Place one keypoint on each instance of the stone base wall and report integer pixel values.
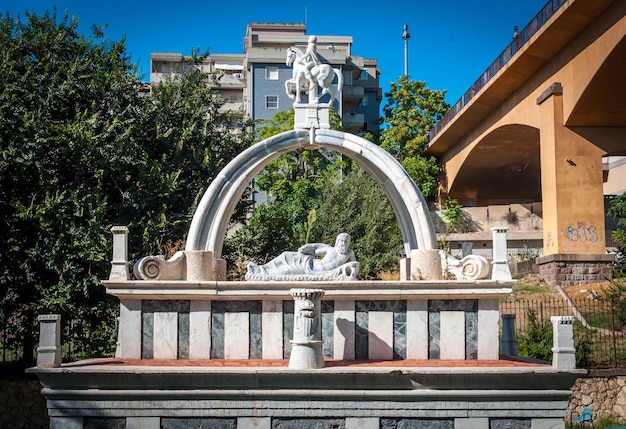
(22, 405)
(132, 397)
(574, 270)
(605, 395)
(522, 268)
(303, 423)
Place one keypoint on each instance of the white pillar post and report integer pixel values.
(425, 264)
(563, 351)
(500, 264)
(49, 350)
(119, 262)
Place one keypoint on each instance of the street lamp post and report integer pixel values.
(406, 36)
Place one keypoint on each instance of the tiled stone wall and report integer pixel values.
(23, 406)
(297, 423)
(235, 326)
(197, 423)
(467, 312)
(380, 332)
(361, 330)
(417, 423)
(104, 423)
(165, 329)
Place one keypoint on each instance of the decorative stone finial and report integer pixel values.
(306, 347)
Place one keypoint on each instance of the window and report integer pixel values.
(271, 73)
(347, 78)
(364, 101)
(363, 75)
(271, 102)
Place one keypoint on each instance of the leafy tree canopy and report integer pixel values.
(412, 110)
(84, 145)
(358, 205)
(295, 179)
(618, 211)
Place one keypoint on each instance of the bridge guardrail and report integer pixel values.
(522, 38)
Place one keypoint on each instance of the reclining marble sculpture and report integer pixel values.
(313, 261)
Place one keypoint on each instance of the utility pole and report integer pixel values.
(406, 36)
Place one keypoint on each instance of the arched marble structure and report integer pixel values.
(211, 218)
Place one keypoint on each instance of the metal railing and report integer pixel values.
(599, 331)
(521, 39)
(78, 342)
(599, 334)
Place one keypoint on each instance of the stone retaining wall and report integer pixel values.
(605, 395)
(22, 406)
(574, 270)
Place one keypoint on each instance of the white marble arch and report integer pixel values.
(211, 218)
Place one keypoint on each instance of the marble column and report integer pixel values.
(306, 346)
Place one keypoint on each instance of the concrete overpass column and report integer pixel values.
(571, 183)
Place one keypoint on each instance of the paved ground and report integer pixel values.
(279, 363)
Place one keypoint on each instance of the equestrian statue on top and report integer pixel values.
(308, 66)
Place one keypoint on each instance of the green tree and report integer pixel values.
(85, 147)
(412, 110)
(188, 140)
(453, 215)
(358, 205)
(293, 183)
(618, 211)
(297, 175)
(535, 341)
(66, 119)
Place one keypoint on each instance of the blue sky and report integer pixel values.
(452, 42)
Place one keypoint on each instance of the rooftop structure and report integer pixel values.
(253, 82)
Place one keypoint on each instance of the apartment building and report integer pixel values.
(254, 82)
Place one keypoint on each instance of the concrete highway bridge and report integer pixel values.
(536, 124)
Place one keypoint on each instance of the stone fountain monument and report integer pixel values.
(303, 342)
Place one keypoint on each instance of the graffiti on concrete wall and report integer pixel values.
(581, 232)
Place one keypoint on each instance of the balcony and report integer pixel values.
(353, 123)
(351, 93)
(157, 77)
(230, 81)
(236, 106)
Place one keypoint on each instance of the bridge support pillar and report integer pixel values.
(571, 183)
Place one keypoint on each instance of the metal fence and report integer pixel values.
(599, 331)
(599, 328)
(78, 342)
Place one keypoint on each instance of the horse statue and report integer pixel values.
(322, 75)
